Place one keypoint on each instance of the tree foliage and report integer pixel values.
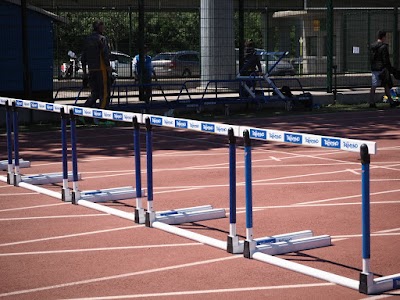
(164, 31)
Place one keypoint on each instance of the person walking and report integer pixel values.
(96, 56)
(381, 68)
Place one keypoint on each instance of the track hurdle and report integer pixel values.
(14, 176)
(91, 198)
(165, 219)
(264, 249)
(276, 244)
(9, 164)
(368, 284)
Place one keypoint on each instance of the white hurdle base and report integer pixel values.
(22, 164)
(286, 243)
(371, 286)
(47, 178)
(111, 194)
(190, 214)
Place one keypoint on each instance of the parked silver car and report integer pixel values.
(122, 63)
(177, 64)
(282, 68)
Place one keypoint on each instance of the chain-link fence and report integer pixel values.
(197, 40)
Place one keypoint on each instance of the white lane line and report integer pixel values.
(98, 249)
(261, 208)
(119, 276)
(53, 217)
(274, 158)
(31, 207)
(348, 197)
(337, 238)
(17, 194)
(389, 230)
(215, 291)
(69, 235)
(353, 171)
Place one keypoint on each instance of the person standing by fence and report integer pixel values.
(96, 55)
(144, 78)
(381, 68)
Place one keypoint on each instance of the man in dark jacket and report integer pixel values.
(251, 60)
(251, 63)
(96, 55)
(381, 68)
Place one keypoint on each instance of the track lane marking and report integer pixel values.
(70, 235)
(97, 249)
(119, 276)
(214, 291)
(53, 217)
(31, 207)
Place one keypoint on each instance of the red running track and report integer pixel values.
(55, 250)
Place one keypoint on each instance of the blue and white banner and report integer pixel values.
(117, 116)
(308, 139)
(209, 127)
(202, 126)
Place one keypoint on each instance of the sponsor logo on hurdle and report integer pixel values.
(275, 136)
(156, 121)
(127, 117)
(221, 129)
(50, 107)
(207, 127)
(117, 116)
(194, 125)
(169, 122)
(19, 103)
(311, 140)
(57, 108)
(350, 145)
(78, 111)
(42, 105)
(293, 138)
(108, 114)
(181, 124)
(331, 143)
(87, 112)
(258, 134)
(97, 113)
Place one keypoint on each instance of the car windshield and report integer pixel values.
(164, 56)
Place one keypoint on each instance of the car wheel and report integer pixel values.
(186, 73)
